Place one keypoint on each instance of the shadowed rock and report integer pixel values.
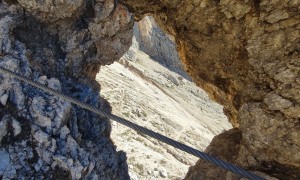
(246, 56)
(60, 44)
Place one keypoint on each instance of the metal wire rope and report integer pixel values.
(176, 144)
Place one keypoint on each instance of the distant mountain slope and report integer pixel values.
(151, 95)
(149, 38)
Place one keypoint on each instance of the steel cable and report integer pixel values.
(171, 142)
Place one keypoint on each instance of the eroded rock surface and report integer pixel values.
(246, 56)
(60, 44)
(149, 38)
(160, 46)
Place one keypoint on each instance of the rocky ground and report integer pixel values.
(57, 43)
(151, 95)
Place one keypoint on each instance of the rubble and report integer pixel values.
(42, 135)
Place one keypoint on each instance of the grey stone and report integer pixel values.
(74, 167)
(10, 172)
(64, 131)
(58, 51)
(163, 173)
(131, 54)
(54, 84)
(45, 155)
(153, 41)
(53, 145)
(16, 126)
(37, 111)
(51, 11)
(4, 161)
(3, 128)
(41, 136)
(5, 42)
(38, 165)
(276, 102)
(3, 99)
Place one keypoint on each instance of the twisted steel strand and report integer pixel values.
(138, 128)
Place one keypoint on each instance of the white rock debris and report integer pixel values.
(41, 136)
(16, 126)
(3, 99)
(166, 102)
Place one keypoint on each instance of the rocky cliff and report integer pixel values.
(161, 97)
(159, 45)
(60, 44)
(149, 38)
(246, 56)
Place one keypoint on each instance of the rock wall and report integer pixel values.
(160, 46)
(60, 44)
(246, 56)
(149, 38)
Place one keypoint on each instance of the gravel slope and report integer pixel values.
(149, 94)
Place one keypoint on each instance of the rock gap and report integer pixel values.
(149, 86)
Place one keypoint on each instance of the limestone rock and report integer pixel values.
(163, 173)
(5, 42)
(238, 52)
(246, 56)
(3, 128)
(235, 8)
(68, 164)
(276, 102)
(50, 11)
(160, 46)
(64, 132)
(228, 141)
(131, 54)
(16, 127)
(5, 166)
(3, 99)
(149, 38)
(43, 136)
(37, 111)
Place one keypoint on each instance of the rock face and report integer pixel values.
(149, 38)
(153, 41)
(228, 141)
(60, 44)
(246, 56)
